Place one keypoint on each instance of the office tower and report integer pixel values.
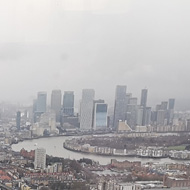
(128, 97)
(144, 93)
(158, 107)
(147, 116)
(160, 117)
(164, 105)
(68, 103)
(86, 109)
(170, 113)
(153, 117)
(120, 105)
(133, 101)
(18, 118)
(100, 116)
(34, 105)
(171, 104)
(40, 158)
(93, 113)
(56, 103)
(41, 102)
(132, 115)
(139, 115)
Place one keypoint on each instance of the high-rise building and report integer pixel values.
(170, 113)
(41, 102)
(132, 115)
(120, 105)
(164, 105)
(133, 101)
(68, 103)
(160, 117)
(18, 119)
(171, 104)
(40, 158)
(56, 103)
(100, 116)
(139, 115)
(147, 116)
(144, 94)
(86, 109)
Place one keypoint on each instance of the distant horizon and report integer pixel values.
(110, 103)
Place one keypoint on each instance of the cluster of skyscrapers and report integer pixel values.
(127, 109)
(93, 114)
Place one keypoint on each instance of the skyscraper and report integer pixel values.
(40, 158)
(147, 116)
(144, 94)
(164, 105)
(139, 115)
(146, 110)
(86, 109)
(68, 103)
(56, 103)
(100, 116)
(171, 104)
(120, 105)
(41, 102)
(170, 114)
(18, 118)
(160, 117)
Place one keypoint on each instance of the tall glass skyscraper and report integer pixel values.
(120, 105)
(41, 102)
(100, 116)
(144, 94)
(68, 103)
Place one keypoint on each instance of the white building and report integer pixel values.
(86, 109)
(40, 158)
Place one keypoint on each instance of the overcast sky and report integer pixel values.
(76, 44)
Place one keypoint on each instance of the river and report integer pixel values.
(54, 147)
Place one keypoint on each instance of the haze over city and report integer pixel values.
(76, 44)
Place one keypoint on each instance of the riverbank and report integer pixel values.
(141, 152)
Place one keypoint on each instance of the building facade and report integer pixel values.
(56, 103)
(68, 103)
(100, 116)
(120, 105)
(40, 158)
(86, 109)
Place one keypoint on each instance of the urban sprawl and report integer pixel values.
(128, 134)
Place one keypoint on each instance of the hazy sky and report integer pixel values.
(76, 44)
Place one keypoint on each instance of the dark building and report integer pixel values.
(68, 103)
(18, 119)
(144, 94)
(120, 105)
